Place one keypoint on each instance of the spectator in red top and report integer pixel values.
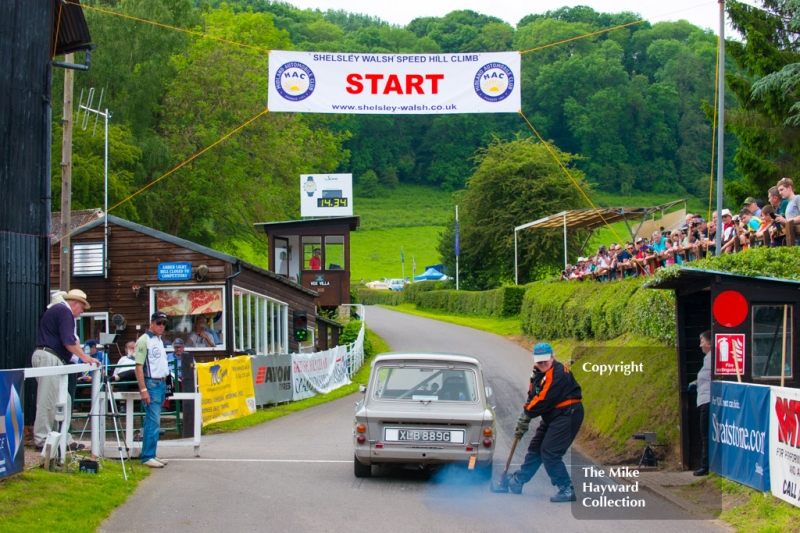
(315, 263)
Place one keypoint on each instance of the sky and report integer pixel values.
(703, 13)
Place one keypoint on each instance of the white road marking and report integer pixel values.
(260, 460)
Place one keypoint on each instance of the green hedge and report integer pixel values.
(413, 291)
(503, 302)
(585, 310)
(379, 297)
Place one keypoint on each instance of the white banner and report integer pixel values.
(784, 444)
(318, 372)
(415, 84)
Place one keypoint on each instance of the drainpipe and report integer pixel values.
(229, 310)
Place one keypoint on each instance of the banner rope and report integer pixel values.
(190, 32)
(192, 158)
(574, 181)
(58, 29)
(598, 32)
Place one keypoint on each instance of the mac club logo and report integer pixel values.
(295, 81)
(494, 82)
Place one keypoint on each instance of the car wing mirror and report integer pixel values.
(488, 391)
(362, 389)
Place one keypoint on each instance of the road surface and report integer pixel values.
(296, 473)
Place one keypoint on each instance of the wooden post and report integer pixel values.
(66, 178)
(188, 384)
(783, 346)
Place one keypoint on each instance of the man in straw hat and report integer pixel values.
(56, 345)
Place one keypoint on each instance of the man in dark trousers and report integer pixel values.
(58, 345)
(703, 386)
(555, 396)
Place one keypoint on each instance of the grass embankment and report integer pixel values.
(265, 414)
(617, 406)
(37, 500)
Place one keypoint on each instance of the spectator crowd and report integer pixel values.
(756, 224)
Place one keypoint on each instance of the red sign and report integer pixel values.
(729, 351)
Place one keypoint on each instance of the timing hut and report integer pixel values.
(139, 270)
(314, 252)
(747, 317)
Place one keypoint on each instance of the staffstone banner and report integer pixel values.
(739, 433)
(784, 444)
(227, 389)
(12, 454)
(395, 84)
(319, 372)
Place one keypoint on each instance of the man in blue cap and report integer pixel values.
(555, 396)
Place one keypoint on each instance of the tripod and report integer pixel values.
(648, 457)
(114, 415)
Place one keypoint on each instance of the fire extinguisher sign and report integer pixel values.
(729, 353)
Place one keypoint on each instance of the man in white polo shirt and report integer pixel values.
(151, 374)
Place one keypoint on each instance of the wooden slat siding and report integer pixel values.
(134, 261)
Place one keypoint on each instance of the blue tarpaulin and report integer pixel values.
(431, 273)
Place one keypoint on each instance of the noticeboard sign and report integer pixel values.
(181, 271)
(326, 195)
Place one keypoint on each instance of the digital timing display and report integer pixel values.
(331, 202)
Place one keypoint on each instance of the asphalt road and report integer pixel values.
(296, 473)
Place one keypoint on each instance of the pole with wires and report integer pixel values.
(720, 125)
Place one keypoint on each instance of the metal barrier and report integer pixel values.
(355, 350)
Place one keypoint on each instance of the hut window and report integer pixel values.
(195, 314)
(334, 252)
(260, 324)
(768, 335)
(88, 259)
(312, 253)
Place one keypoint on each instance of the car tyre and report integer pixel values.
(361, 470)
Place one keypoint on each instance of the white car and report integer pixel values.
(397, 284)
(423, 410)
(377, 285)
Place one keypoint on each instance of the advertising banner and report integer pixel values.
(326, 195)
(12, 454)
(272, 378)
(729, 353)
(784, 443)
(394, 84)
(738, 435)
(318, 372)
(227, 389)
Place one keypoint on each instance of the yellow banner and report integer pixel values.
(227, 389)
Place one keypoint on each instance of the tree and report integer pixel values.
(768, 94)
(515, 182)
(368, 184)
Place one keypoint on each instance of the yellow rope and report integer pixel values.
(583, 36)
(713, 136)
(196, 33)
(547, 145)
(195, 156)
(58, 29)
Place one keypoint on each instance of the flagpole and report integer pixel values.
(720, 126)
(457, 251)
(403, 263)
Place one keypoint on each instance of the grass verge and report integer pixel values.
(38, 500)
(265, 414)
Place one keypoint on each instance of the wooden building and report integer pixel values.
(746, 310)
(314, 252)
(144, 270)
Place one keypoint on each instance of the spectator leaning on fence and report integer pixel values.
(751, 204)
(775, 200)
(792, 214)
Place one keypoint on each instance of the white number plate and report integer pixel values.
(449, 436)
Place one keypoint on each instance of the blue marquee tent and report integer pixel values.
(431, 273)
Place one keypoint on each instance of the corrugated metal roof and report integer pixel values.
(67, 21)
(691, 276)
(595, 218)
(76, 220)
(353, 222)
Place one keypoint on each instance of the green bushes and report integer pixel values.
(503, 302)
(585, 310)
(379, 297)
(413, 290)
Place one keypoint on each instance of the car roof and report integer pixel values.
(426, 356)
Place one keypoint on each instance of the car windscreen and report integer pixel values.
(425, 383)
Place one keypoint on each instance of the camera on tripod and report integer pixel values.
(648, 456)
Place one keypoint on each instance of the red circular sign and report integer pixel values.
(730, 309)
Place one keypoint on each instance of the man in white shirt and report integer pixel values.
(151, 374)
(703, 384)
